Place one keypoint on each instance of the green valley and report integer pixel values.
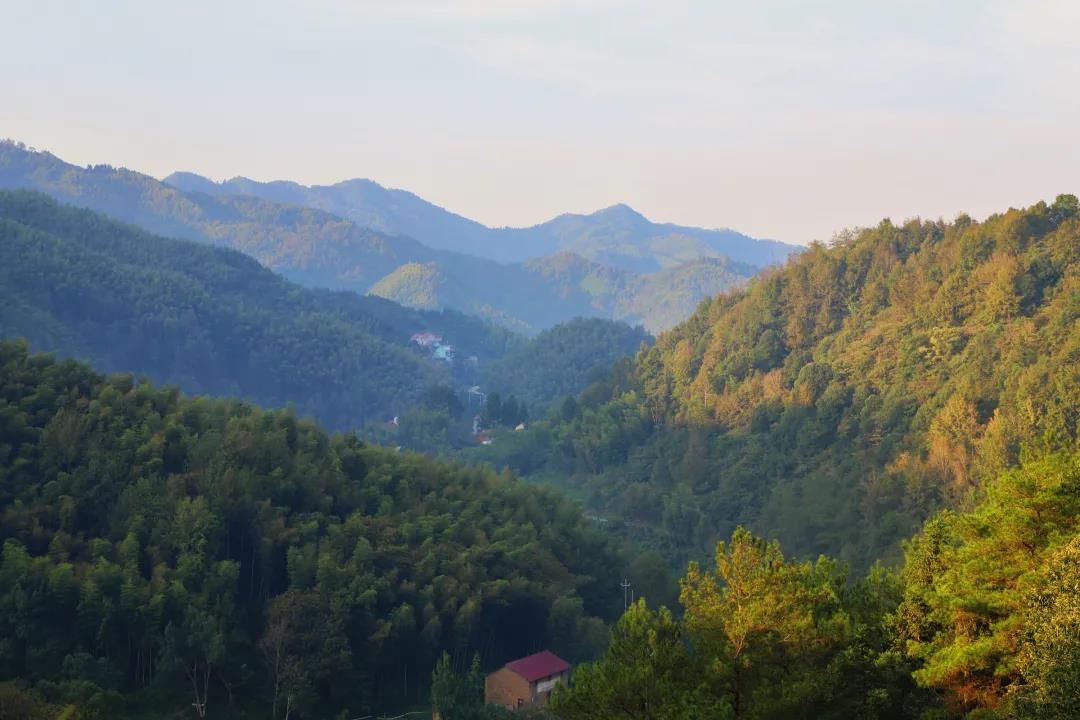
(898, 409)
(554, 360)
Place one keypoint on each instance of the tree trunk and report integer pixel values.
(228, 688)
(200, 695)
(277, 691)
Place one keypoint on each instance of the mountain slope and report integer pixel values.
(562, 360)
(145, 532)
(837, 402)
(617, 236)
(663, 299)
(309, 246)
(621, 237)
(212, 320)
(394, 212)
(317, 249)
(522, 298)
(543, 292)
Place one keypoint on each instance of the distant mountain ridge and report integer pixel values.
(365, 202)
(309, 246)
(567, 283)
(617, 236)
(315, 248)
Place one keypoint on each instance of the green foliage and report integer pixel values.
(507, 413)
(159, 551)
(460, 697)
(212, 320)
(562, 361)
(413, 285)
(647, 673)
(189, 552)
(784, 640)
(838, 402)
(547, 291)
(761, 638)
(1050, 655)
(17, 704)
(305, 649)
(989, 603)
(572, 633)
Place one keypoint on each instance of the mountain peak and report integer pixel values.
(621, 212)
(359, 183)
(192, 182)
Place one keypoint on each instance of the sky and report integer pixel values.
(784, 119)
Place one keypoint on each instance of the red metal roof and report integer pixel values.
(539, 666)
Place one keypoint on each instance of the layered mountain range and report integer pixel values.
(911, 389)
(618, 236)
(359, 236)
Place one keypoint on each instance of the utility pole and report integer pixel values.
(625, 585)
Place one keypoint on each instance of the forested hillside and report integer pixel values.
(981, 622)
(526, 298)
(195, 556)
(665, 298)
(562, 361)
(512, 390)
(214, 321)
(838, 401)
(208, 556)
(540, 293)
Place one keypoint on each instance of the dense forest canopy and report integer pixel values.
(213, 321)
(982, 622)
(514, 390)
(165, 552)
(900, 409)
(840, 400)
(562, 361)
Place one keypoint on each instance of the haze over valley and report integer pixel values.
(682, 361)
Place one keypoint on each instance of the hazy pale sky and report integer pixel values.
(783, 119)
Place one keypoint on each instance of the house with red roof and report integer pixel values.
(527, 681)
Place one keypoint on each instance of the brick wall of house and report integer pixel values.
(505, 687)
